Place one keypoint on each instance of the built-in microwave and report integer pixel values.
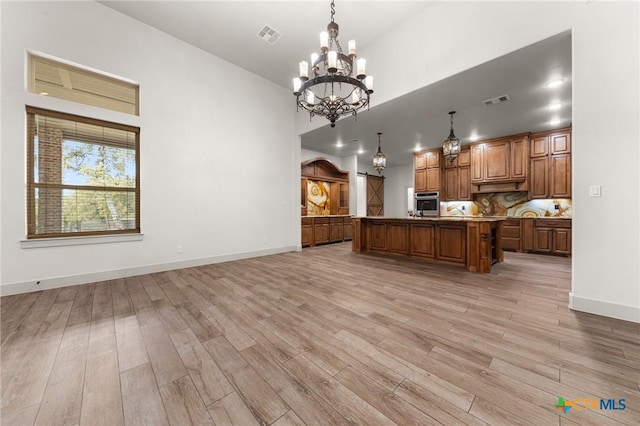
(427, 204)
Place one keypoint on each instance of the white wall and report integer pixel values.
(605, 36)
(397, 181)
(217, 176)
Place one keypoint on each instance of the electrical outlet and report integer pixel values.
(556, 206)
(178, 249)
(462, 208)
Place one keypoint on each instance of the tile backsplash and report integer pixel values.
(513, 204)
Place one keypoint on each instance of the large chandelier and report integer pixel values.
(379, 160)
(451, 145)
(332, 87)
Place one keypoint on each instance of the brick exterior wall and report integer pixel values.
(50, 214)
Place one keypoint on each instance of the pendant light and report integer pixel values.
(379, 160)
(451, 145)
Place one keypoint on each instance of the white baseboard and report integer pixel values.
(49, 283)
(607, 309)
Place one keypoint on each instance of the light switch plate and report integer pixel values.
(595, 191)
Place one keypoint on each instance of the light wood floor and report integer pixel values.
(323, 336)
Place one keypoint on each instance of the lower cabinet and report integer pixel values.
(552, 236)
(348, 228)
(336, 229)
(537, 235)
(511, 235)
(307, 232)
(423, 241)
(452, 243)
(322, 230)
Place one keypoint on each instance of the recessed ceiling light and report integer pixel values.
(417, 148)
(361, 151)
(474, 137)
(339, 144)
(555, 83)
(555, 105)
(555, 121)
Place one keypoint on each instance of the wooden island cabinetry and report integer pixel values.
(474, 243)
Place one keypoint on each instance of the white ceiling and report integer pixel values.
(228, 30)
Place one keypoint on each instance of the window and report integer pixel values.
(60, 80)
(82, 176)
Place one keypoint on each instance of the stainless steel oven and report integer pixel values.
(427, 204)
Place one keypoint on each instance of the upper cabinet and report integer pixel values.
(457, 177)
(500, 164)
(428, 171)
(539, 164)
(551, 164)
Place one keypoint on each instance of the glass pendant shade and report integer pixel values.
(379, 160)
(451, 145)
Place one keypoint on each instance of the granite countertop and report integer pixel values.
(515, 217)
(438, 218)
(328, 215)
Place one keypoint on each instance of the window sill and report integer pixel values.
(79, 241)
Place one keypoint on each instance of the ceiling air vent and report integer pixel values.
(497, 100)
(268, 34)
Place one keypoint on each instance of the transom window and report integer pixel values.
(82, 176)
(72, 83)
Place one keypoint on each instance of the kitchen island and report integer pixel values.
(474, 243)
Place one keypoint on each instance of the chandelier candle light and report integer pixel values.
(451, 145)
(332, 87)
(379, 160)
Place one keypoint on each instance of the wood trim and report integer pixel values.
(340, 175)
(81, 119)
(31, 185)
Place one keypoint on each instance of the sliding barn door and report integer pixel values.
(375, 196)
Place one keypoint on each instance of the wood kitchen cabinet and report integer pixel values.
(307, 232)
(500, 164)
(457, 178)
(511, 234)
(348, 228)
(451, 243)
(336, 229)
(420, 181)
(539, 174)
(321, 230)
(317, 230)
(560, 176)
(537, 235)
(433, 180)
(552, 236)
(550, 165)
(428, 171)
